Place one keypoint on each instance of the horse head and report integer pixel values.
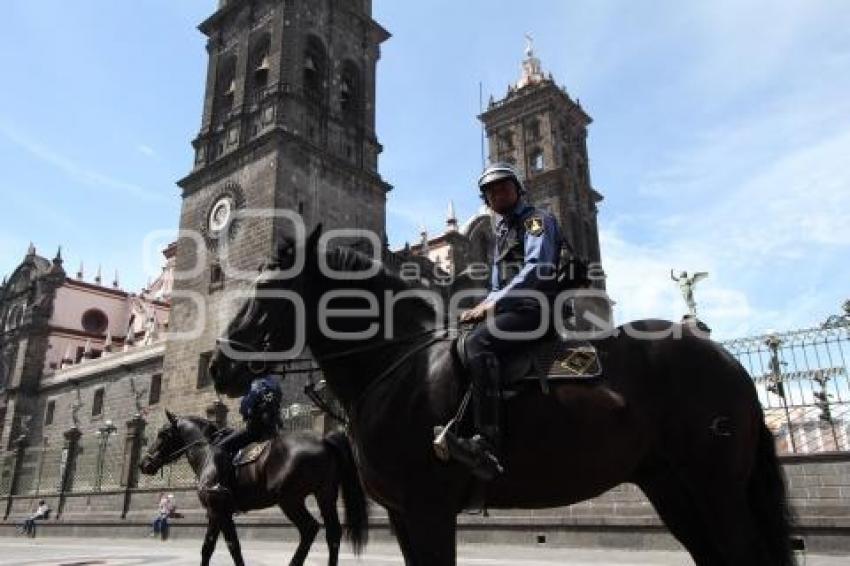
(166, 447)
(336, 302)
(173, 439)
(265, 324)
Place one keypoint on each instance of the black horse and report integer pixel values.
(291, 468)
(677, 415)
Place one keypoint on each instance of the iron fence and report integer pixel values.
(803, 384)
(177, 474)
(297, 417)
(98, 464)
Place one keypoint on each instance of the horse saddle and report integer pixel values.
(250, 453)
(552, 358)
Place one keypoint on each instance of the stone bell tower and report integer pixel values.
(288, 123)
(543, 132)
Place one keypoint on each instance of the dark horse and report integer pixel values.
(677, 415)
(291, 468)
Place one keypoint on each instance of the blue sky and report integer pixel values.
(721, 138)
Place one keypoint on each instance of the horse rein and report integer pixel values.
(380, 345)
(180, 451)
(397, 363)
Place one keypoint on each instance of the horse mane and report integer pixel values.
(246, 316)
(207, 427)
(352, 260)
(345, 258)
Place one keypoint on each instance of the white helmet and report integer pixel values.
(497, 172)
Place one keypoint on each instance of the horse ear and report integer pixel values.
(172, 419)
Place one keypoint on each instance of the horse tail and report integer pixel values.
(356, 506)
(769, 502)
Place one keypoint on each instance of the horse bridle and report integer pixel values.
(256, 370)
(172, 456)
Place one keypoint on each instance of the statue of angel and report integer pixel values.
(686, 286)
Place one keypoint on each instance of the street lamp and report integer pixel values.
(776, 384)
(103, 434)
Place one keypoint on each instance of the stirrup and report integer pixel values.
(218, 490)
(476, 455)
(489, 462)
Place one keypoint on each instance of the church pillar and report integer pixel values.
(67, 465)
(132, 456)
(20, 450)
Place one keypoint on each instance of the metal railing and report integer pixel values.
(803, 384)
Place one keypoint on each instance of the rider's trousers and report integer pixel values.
(483, 350)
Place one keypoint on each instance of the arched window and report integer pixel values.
(315, 70)
(259, 61)
(535, 161)
(350, 92)
(532, 129)
(506, 140)
(13, 319)
(225, 85)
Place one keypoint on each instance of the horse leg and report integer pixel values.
(307, 527)
(432, 535)
(676, 506)
(729, 534)
(732, 528)
(400, 530)
(333, 530)
(228, 529)
(209, 542)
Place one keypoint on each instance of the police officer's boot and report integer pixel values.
(218, 477)
(484, 448)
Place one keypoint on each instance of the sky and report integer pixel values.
(721, 136)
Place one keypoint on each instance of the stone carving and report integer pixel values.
(686, 286)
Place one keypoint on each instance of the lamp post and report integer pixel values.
(103, 434)
(776, 385)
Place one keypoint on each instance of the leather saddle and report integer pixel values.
(250, 453)
(551, 359)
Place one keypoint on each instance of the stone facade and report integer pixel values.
(540, 130)
(80, 359)
(288, 124)
(819, 489)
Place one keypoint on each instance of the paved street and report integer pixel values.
(105, 552)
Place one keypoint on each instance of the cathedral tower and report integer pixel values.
(543, 132)
(288, 124)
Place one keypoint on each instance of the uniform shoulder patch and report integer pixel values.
(534, 224)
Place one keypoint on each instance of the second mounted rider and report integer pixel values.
(260, 410)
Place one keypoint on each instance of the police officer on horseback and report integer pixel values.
(524, 269)
(260, 409)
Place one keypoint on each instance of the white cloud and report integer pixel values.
(760, 197)
(75, 170)
(146, 150)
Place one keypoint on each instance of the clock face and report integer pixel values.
(220, 215)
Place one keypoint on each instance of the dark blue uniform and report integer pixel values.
(260, 408)
(528, 247)
(261, 404)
